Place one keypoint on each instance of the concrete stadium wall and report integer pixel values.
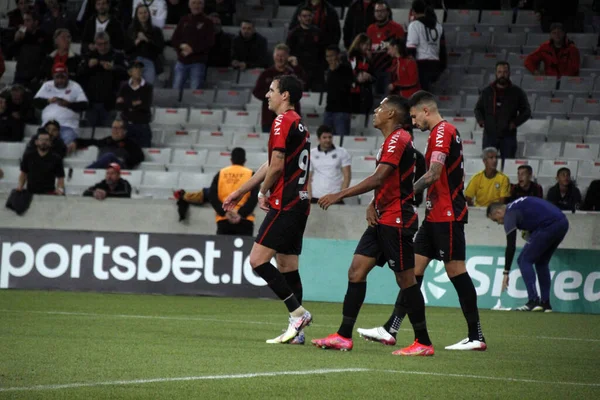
(160, 216)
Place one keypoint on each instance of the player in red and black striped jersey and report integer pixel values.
(393, 221)
(284, 175)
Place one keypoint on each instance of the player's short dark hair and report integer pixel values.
(421, 97)
(334, 47)
(419, 6)
(499, 63)
(238, 156)
(246, 21)
(305, 8)
(290, 84)
(563, 169)
(400, 104)
(526, 167)
(324, 129)
(493, 207)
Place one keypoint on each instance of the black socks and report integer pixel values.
(295, 283)
(393, 324)
(468, 302)
(355, 296)
(278, 285)
(415, 307)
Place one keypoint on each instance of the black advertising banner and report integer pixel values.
(128, 263)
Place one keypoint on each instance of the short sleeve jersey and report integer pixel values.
(485, 191)
(445, 198)
(290, 136)
(426, 41)
(530, 214)
(394, 199)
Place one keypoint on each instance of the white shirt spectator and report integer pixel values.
(158, 11)
(425, 40)
(72, 93)
(326, 169)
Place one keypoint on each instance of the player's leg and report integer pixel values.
(288, 264)
(529, 255)
(450, 238)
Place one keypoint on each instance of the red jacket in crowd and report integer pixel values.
(557, 62)
(405, 77)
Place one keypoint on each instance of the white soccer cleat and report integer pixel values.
(378, 334)
(297, 340)
(466, 344)
(297, 324)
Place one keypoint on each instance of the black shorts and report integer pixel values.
(388, 244)
(282, 231)
(444, 241)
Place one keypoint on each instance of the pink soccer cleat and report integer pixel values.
(335, 342)
(415, 349)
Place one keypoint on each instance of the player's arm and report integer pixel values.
(438, 160)
(273, 172)
(231, 200)
(372, 182)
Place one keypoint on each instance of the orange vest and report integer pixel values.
(230, 179)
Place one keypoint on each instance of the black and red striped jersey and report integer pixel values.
(445, 199)
(380, 60)
(290, 136)
(394, 199)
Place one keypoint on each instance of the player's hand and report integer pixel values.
(504, 283)
(372, 218)
(263, 203)
(232, 200)
(329, 199)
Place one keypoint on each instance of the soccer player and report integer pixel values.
(393, 221)
(544, 227)
(441, 236)
(284, 175)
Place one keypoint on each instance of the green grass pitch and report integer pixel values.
(64, 345)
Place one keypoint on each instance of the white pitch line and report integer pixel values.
(231, 321)
(491, 378)
(180, 379)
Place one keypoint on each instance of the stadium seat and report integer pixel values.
(217, 160)
(469, 103)
(232, 98)
(253, 11)
(191, 181)
(527, 17)
(493, 29)
(400, 15)
(472, 165)
(214, 140)
(170, 116)
(170, 54)
(201, 98)
(11, 178)
(478, 41)
(463, 17)
(87, 154)
(196, 158)
(584, 107)
(581, 151)
(449, 105)
(469, 83)
(536, 39)
(496, 17)
(248, 78)
(593, 129)
(420, 139)
(471, 148)
(542, 85)
(158, 184)
(180, 138)
(251, 141)
(565, 129)
(464, 125)
(591, 61)
(516, 61)
(548, 168)
(273, 35)
(450, 35)
(360, 145)
(511, 42)
(364, 164)
(222, 77)
(559, 107)
(487, 60)
(86, 132)
(575, 85)
(81, 179)
(544, 150)
(9, 72)
(255, 159)
(285, 12)
(535, 126)
(30, 130)
(159, 156)
(511, 166)
(310, 99)
(459, 58)
(204, 118)
(166, 97)
(168, 32)
(359, 121)
(588, 169)
(584, 41)
(241, 118)
(134, 177)
(312, 119)
(11, 150)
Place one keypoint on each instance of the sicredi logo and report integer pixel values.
(124, 263)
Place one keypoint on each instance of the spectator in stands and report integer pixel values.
(525, 187)
(134, 100)
(404, 71)
(118, 8)
(240, 221)
(57, 146)
(565, 195)
(193, 39)
(359, 15)
(306, 44)
(284, 64)
(101, 73)
(145, 43)
(176, 9)
(324, 17)
(338, 82)
(28, 49)
(559, 55)
(16, 16)
(359, 56)
(102, 21)
(381, 32)
(225, 9)
(158, 10)
(9, 126)
(220, 53)
(500, 109)
(19, 105)
(112, 185)
(490, 185)
(426, 40)
(249, 48)
(62, 100)
(117, 148)
(62, 55)
(592, 197)
(42, 170)
(330, 167)
(56, 18)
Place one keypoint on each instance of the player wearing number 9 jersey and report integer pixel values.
(284, 175)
